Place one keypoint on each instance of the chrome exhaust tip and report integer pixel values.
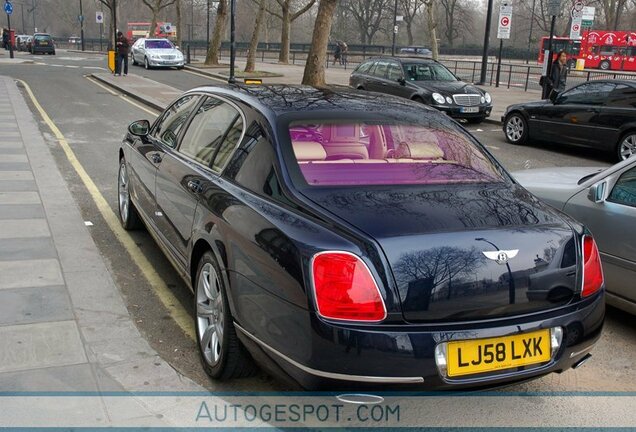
(583, 360)
(360, 399)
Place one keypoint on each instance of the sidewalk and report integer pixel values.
(64, 325)
(158, 95)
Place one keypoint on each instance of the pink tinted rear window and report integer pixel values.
(339, 153)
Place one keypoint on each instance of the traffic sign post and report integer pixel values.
(8, 9)
(554, 9)
(503, 32)
(99, 19)
(577, 18)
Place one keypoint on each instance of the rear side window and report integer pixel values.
(213, 133)
(332, 153)
(622, 96)
(624, 191)
(380, 69)
(168, 127)
(364, 67)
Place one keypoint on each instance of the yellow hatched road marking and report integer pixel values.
(165, 295)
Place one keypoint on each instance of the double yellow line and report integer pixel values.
(178, 313)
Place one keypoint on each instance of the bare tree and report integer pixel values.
(251, 53)
(179, 29)
(111, 5)
(432, 26)
(156, 6)
(314, 74)
(369, 16)
(410, 10)
(612, 11)
(288, 16)
(457, 19)
(212, 57)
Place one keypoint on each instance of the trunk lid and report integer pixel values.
(444, 247)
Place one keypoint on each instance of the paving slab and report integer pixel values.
(79, 377)
(34, 346)
(20, 211)
(23, 228)
(18, 186)
(12, 249)
(30, 273)
(19, 197)
(16, 175)
(31, 305)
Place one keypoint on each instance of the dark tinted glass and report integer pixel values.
(159, 44)
(592, 93)
(395, 72)
(168, 127)
(624, 191)
(427, 72)
(622, 97)
(364, 67)
(214, 123)
(380, 68)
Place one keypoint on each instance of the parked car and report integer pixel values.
(75, 40)
(42, 43)
(353, 239)
(605, 201)
(156, 53)
(21, 41)
(423, 80)
(416, 50)
(597, 114)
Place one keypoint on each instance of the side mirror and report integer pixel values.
(139, 128)
(597, 192)
(402, 81)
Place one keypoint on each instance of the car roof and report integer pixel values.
(282, 99)
(414, 59)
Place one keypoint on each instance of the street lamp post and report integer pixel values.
(207, 37)
(231, 78)
(534, 2)
(511, 285)
(81, 18)
(394, 27)
(484, 57)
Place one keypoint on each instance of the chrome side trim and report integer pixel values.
(332, 375)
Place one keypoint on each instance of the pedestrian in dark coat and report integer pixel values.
(122, 54)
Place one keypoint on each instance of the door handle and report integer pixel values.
(156, 157)
(195, 186)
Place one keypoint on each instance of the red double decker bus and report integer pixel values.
(137, 30)
(572, 47)
(609, 50)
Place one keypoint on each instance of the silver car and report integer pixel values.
(156, 53)
(605, 201)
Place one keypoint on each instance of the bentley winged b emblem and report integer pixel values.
(501, 256)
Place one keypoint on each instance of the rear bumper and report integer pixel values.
(43, 49)
(346, 357)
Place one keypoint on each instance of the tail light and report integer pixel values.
(592, 271)
(345, 289)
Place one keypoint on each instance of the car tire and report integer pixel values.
(222, 355)
(418, 99)
(360, 88)
(516, 129)
(146, 63)
(128, 215)
(605, 65)
(626, 147)
(132, 59)
(53, 53)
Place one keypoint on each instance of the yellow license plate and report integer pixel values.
(487, 355)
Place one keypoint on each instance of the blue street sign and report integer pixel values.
(8, 8)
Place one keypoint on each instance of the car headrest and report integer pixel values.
(309, 151)
(419, 150)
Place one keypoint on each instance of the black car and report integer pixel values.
(597, 114)
(416, 50)
(42, 43)
(423, 80)
(349, 239)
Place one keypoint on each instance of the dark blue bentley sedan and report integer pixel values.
(347, 240)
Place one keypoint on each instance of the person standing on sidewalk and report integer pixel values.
(122, 54)
(558, 75)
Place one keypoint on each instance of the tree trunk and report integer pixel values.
(179, 28)
(251, 53)
(430, 18)
(283, 57)
(212, 57)
(315, 67)
(409, 31)
(153, 24)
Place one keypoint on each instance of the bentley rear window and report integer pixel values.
(345, 153)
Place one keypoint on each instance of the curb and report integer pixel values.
(152, 104)
(86, 52)
(204, 72)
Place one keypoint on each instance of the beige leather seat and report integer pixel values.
(307, 151)
(426, 147)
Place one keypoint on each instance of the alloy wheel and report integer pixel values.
(627, 147)
(210, 317)
(515, 128)
(146, 64)
(124, 195)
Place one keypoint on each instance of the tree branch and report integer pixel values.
(303, 10)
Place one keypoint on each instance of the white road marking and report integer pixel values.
(72, 66)
(93, 67)
(56, 65)
(479, 130)
(492, 147)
